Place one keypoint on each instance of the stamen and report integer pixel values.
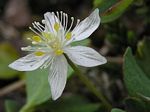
(72, 21)
(43, 21)
(54, 17)
(40, 25)
(66, 22)
(78, 21)
(47, 35)
(61, 16)
(57, 15)
(25, 48)
(68, 36)
(36, 39)
(37, 27)
(35, 31)
(59, 52)
(39, 53)
(56, 26)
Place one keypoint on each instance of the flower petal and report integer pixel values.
(29, 62)
(87, 26)
(85, 56)
(58, 76)
(50, 21)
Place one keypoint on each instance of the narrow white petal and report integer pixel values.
(87, 26)
(28, 63)
(50, 20)
(58, 76)
(85, 56)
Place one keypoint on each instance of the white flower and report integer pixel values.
(52, 41)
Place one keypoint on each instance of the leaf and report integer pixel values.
(144, 97)
(135, 79)
(11, 106)
(7, 55)
(135, 105)
(110, 10)
(70, 104)
(104, 5)
(84, 42)
(146, 100)
(38, 90)
(117, 110)
(143, 56)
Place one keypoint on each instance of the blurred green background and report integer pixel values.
(123, 37)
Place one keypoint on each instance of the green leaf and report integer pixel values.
(11, 106)
(135, 79)
(7, 55)
(146, 100)
(143, 56)
(70, 104)
(104, 5)
(84, 42)
(117, 110)
(38, 90)
(135, 105)
(144, 97)
(112, 9)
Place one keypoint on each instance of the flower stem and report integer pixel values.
(90, 85)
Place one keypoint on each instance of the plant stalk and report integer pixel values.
(90, 85)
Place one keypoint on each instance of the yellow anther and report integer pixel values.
(39, 53)
(47, 35)
(68, 36)
(36, 39)
(59, 52)
(56, 26)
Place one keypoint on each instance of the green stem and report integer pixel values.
(90, 85)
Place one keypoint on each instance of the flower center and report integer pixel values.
(57, 48)
(59, 52)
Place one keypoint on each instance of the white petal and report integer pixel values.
(50, 20)
(87, 26)
(28, 63)
(85, 56)
(58, 76)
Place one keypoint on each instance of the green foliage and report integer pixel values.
(111, 9)
(120, 34)
(135, 79)
(11, 106)
(117, 110)
(81, 43)
(135, 105)
(7, 55)
(143, 56)
(38, 90)
(69, 104)
(104, 5)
